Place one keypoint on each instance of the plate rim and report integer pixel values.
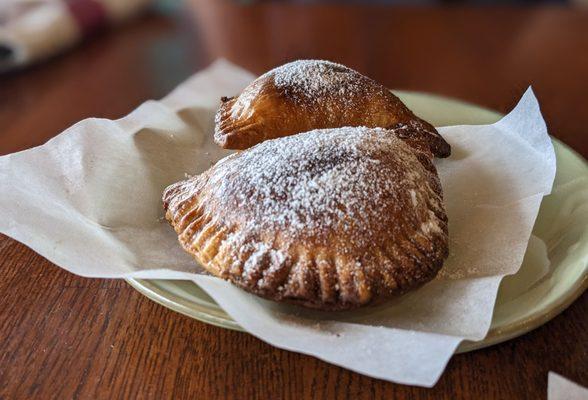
(495, 335)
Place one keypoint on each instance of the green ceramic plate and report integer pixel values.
(562, 224)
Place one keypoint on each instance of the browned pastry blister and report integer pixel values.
(310, 94)
(330, 219)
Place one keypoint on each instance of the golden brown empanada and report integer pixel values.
(330, 219)
(310, 94)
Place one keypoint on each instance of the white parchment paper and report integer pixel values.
(89, 200)
(560, 388)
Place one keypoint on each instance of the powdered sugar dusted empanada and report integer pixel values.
(330, 219)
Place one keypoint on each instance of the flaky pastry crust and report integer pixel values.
(310, 94)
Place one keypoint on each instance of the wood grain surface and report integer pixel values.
(66, 337)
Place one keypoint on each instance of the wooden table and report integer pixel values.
(68, 337)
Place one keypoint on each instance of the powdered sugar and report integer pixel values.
(413, 198)
(333, 180)
(431, 225)
(335, 87)
(316, 79)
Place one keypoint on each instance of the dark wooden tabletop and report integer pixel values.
(64, 337)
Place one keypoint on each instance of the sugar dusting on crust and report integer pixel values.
(318, 79)
(334, 89)
(321, 181)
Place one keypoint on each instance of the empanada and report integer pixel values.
(310, 94)
(330, 219)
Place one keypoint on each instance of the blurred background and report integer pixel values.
(62, 61)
